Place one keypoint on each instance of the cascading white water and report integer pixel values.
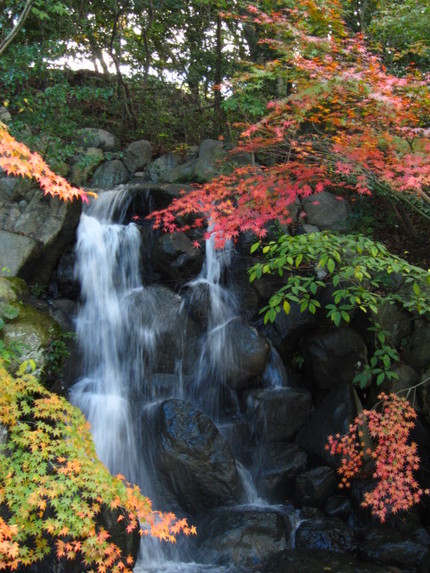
(113, 364)
(216, 356)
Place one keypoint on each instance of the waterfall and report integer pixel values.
(216, 356)
(120, 330)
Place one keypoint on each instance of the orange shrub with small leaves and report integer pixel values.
(393, 457)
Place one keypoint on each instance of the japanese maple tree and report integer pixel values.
(346, 125)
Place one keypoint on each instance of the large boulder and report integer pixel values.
(334, 356)
(137, 155)
(190, 458)
(110, 174)
(277, 414)
(33, 241)
(326, 211)
(94, 137)
(245, 536)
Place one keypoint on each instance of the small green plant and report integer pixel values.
(10, 352)
(57, 352)
(361, 275)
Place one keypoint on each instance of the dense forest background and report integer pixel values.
(152, 69)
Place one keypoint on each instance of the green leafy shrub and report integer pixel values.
(361, 275)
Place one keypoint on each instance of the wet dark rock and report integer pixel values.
(66, 282)
(338, 506)
(288, 329)
(395, 322)
(326, 533)
(242, 535)
(394, 547)
(249, 351)
(317, 561)
(277, 414)
(190, 457)
(334, 357)
(175, 257)
(314, 487)
(333, 415)
(174, 336)
(129, 543)
(417, 353)
(276, 467)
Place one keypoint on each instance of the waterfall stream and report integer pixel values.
(119, 350)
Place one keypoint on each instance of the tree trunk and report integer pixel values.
(10, 37)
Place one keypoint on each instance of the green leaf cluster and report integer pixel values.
(361, 276)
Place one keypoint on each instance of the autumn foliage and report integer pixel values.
(391, 456)
(346, 125)
(53, 488)
(17, 159)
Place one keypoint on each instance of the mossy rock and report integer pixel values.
(12, 290)
(33, 331)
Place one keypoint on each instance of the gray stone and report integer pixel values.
(7, 186)
(41, 234)
(334, 356)
(137, 155)
(5, 116)
(182, 173)
(160, 167)
(17, 253)
(277, 414)
(190, 458)
(208, 165)
(94, 137)
(242, 536)
(85, 165)
(110, 174)
(314, 487)
(326, 211)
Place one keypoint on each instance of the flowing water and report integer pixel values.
(119, 346)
